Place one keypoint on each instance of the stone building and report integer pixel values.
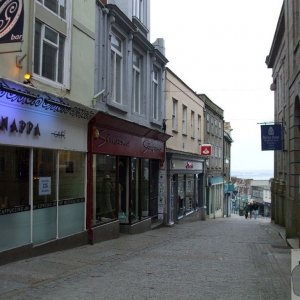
(284, 60)
(185, 166)
(214, 135)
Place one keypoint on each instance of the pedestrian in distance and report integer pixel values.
(246, 210)
(255, 209)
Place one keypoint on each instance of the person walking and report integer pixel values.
(246, 210)
(255, 209)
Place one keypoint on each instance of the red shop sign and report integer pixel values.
(206, 149)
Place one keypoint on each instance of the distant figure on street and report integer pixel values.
(251, 209)
(246, 209)
(255, 209)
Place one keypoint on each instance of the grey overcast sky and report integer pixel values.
(219, 48)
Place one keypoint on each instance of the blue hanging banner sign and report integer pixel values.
(271, 137)
(11, 21)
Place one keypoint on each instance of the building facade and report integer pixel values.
(214, 135)
(228, 185)
(82, 144)
(44, 122)
(126, 143)
(284, 60)
(185, 166)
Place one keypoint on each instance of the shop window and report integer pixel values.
(44, 178)
(104, 185)
(71, 175)
(14, 178)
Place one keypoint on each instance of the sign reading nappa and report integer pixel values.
(11, 21)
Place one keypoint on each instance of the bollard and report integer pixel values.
(202, 213)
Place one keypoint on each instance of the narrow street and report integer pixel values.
(229, 258)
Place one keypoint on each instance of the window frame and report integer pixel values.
(44, 41)
(137, 83)
(113, 69)
(174, 114)
(155, 94)
(184, 119)
(63, 27)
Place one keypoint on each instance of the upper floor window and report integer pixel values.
(199, 127)
(174, 114)
(184, 119)
(208, 123)
(136, 82)
(116, 69)
(155, 97)
(56, 6)
(49, 51)
(138, 9)
(192, 124)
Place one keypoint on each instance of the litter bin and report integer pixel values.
(202, 213)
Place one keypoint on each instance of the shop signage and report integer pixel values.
(271, 137)
(118, 143)
(205, 150)
(189, 165)
(11, 21)
(20, 127)
(44, 186)
(13, 210)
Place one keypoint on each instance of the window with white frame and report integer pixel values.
(174, 114)
(138, 9)
(136, 82)
(184, 119)
(57, 7)
(192, 124)
(155, 95)
(116, 69)
(49, 52)
(199, 127)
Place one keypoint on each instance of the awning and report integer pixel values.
(121, 125)
(17, 93)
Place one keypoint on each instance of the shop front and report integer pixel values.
(185, 185)
(123, 174)
(42, 168)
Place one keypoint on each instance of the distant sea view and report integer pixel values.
(253, 174)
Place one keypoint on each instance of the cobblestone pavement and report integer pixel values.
(231, 258)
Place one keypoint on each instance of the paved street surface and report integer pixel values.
(229, 258)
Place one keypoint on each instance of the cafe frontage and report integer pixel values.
(43, 151)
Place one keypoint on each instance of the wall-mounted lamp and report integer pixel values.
(95, 133)
(27, 78)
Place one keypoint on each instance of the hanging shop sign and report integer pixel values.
(206, 150)
(11, 21)
(271, 137)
